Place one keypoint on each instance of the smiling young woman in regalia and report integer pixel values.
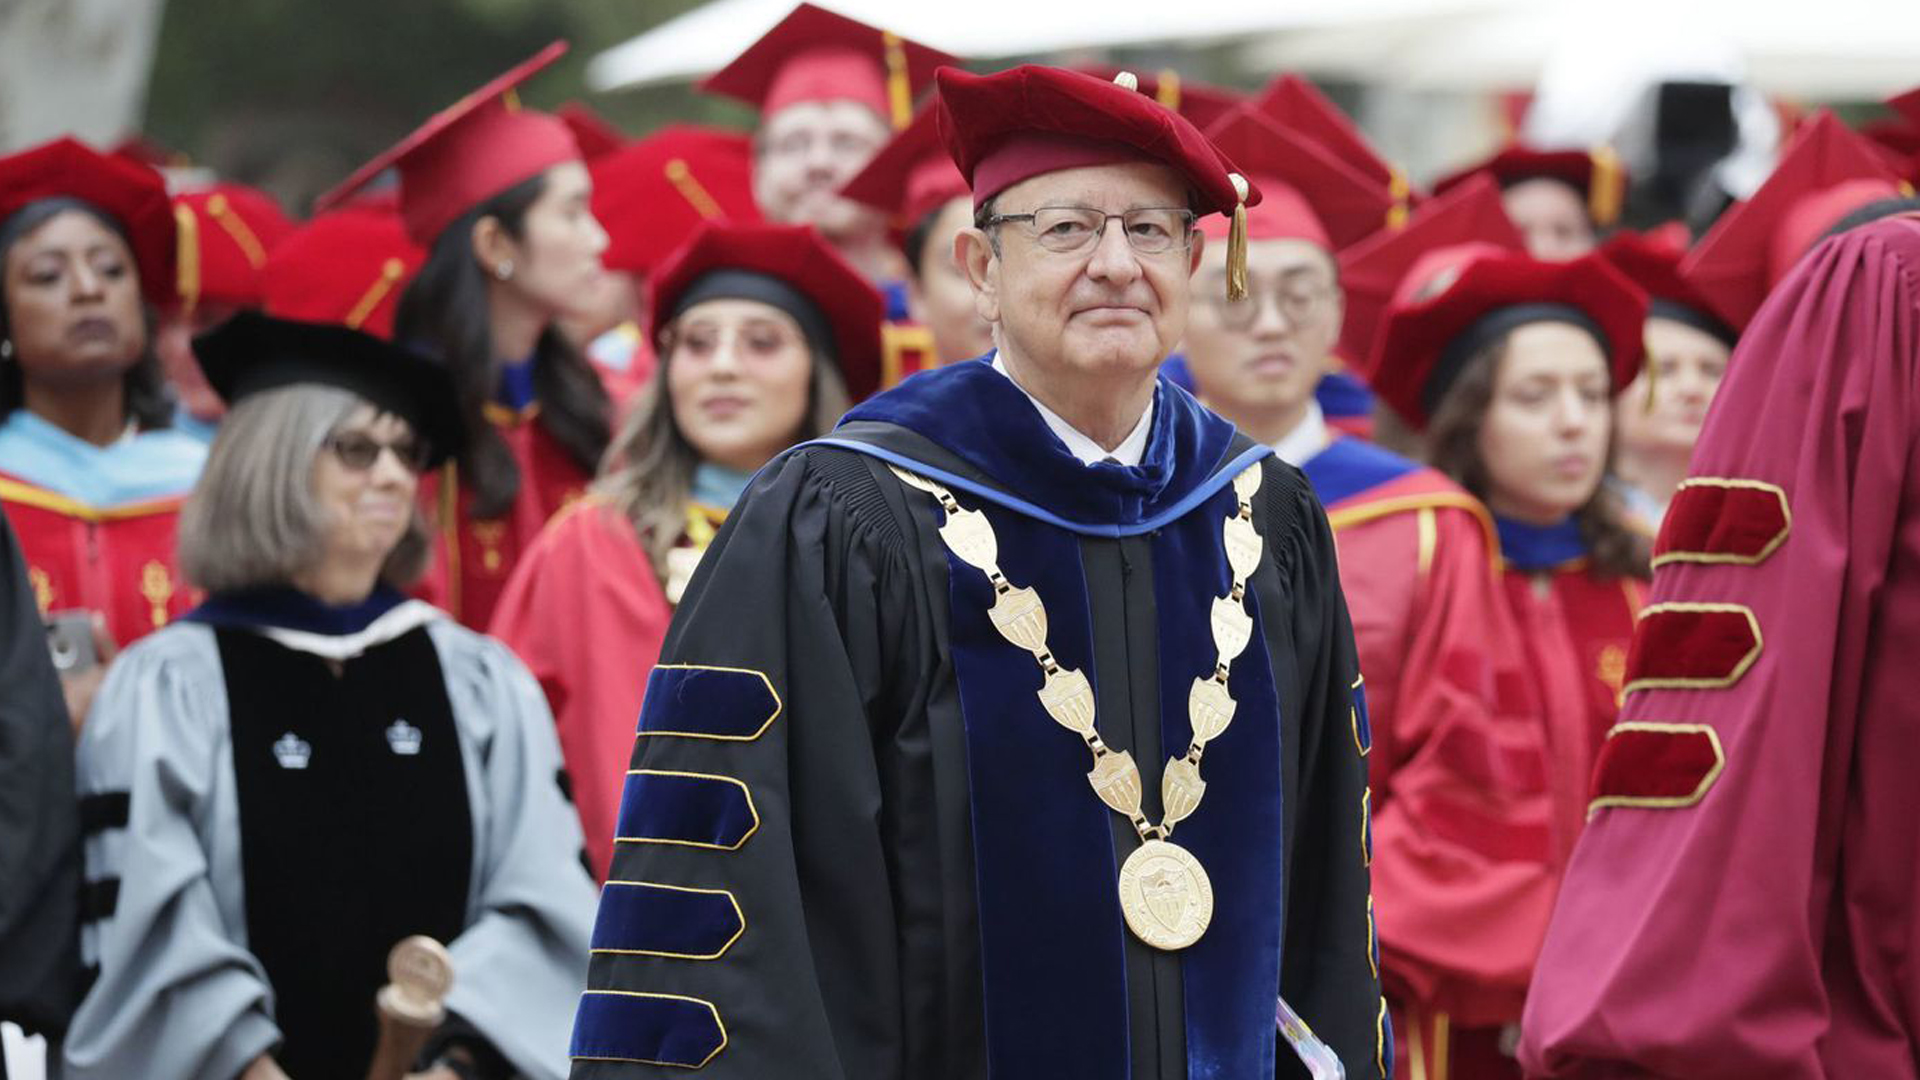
(498, 196)
(761, 330)
(309, 767)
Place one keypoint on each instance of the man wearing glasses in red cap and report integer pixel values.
(1013, 729)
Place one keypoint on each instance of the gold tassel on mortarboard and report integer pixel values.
(186, 257)
(1237, 241)
(391, 272)
(689, 186)
(899, 81)
(1605, 192)
(1400, 191)
(223, 213)
(1167, 90)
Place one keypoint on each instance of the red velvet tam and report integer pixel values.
(1198, 102)
(134, 195)
(789, 267)
(652, 194)
(1373, 271)
(1827, 171)
(1427, 342)
(1655, 267)
(347, 267)
(911, 176)
(226, 233)
(818, 55)
(1595, 174)
(1309, 193)
(594, 134)
(1297, 105)
(468, 152)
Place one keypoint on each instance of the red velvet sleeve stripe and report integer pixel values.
(1692, 647)
(1656, 766)
(1723, 520)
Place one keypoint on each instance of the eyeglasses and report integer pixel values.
(1299, 302)
(1070, 230)
(358, 451)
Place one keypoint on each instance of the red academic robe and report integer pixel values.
(116, 560)
(1462, 880)
(1744, 902)
(473, 558)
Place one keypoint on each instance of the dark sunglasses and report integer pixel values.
(358, 450)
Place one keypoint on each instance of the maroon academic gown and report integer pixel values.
(472, 557)
(1463, 878)
(1743, 904)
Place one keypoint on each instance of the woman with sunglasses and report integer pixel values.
(762, 330)
(309, 767)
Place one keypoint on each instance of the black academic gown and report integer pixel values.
(39, 818)
(852, 844)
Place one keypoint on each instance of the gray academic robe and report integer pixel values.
(178, 994)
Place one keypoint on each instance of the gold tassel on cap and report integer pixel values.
(391, 272)
(1605, 189)
(1127, 80)
(899, 81)
(1399, 190)
(222, 212)
(186, 256)
(1167, 90)
(690, 189)
(1237, 241)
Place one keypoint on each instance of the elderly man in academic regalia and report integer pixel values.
(1012, 729)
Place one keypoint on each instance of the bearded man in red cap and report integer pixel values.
(858, 842)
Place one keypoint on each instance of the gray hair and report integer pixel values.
(252, 519)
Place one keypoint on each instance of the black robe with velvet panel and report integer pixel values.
(853, 844)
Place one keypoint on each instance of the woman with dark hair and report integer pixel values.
(309, 767)
(762, 332)
(1507, 368)
(498, 197)
(90, 476)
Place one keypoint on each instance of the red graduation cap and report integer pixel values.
(911, 176)
(134, 194)
(1827, 171)
(226, 232)
(1425, 342)
(469, 152)
(1309, 194)
(794, 256)
(817, 55)
(1655, 267)
(1439, 234)
(1596, 174)
(594, 134)
(1030, 120)
(1299, 106)
(1198, 102)
(347, 266)
(651, 194)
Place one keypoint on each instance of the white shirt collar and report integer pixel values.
(1307, 438)
(1128, 453)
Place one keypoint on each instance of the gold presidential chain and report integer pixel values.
(1164, 891)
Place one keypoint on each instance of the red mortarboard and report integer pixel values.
(796, 257)
(347, 266)
(1655, 267)
(592, 132)
(1827, 171)
(651, 194)
(134, 194)
(226, 233)
(468, 152)
(1422, 343)
(911, 176)
(1030, 120)
(1297, 105)
(1308, 193)
(1595, 174)
(817, 55)
(1468, 218)
(1198, 102)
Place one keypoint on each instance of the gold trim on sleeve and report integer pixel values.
(1666, 802)
(1713, 559)
(736, 846)
(739, 916)
(719, 1024)
(1716, 682)
(778, 705)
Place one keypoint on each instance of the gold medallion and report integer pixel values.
(1165, 895)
